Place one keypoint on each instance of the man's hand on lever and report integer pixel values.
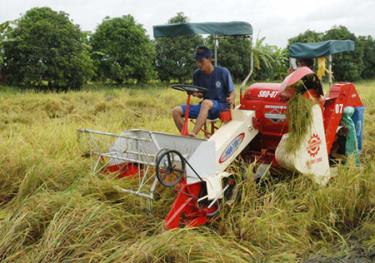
(231, 98)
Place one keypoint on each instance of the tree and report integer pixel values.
(281, 63)
(367, 43)
(263, 59)
(122, 51)
(234, 54)
(174, 56)
(4, 27)
(307, 36)
(45, 50)
(347, 66)
(270, 62)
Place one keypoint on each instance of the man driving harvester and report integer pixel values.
(219, 96)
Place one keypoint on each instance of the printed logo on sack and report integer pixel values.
(313, 146)
(218, 84)
(231, 148)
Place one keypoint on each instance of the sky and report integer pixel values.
(276, 20)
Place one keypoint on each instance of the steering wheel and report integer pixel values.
(189, 88)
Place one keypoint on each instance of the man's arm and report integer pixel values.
(196, 83)
(231, 97)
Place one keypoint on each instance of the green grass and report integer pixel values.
(53, 210)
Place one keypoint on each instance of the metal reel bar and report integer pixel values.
(101, 145)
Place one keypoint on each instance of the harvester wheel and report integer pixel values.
(170, 167)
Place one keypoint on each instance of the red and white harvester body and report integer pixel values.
(256, 130)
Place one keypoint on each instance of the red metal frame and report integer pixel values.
(340, 96)
(208, 128)
(185, 128)
(123, 169)
(185, 209)
(264, 99)
(225, 116)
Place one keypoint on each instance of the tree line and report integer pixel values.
(44, 49)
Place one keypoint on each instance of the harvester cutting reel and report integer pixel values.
(147, 158)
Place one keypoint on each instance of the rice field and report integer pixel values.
(53, 209)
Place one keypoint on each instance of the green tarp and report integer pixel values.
(209, 28)
(320, 49)
(351, 144)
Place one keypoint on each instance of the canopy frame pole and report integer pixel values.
(251, 70)
(216, 45)
(293, 63)
(330, 73)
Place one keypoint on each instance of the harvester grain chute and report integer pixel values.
(256, 130)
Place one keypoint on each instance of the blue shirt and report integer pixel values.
(218, 83)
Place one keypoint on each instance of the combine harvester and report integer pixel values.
(255, 130)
